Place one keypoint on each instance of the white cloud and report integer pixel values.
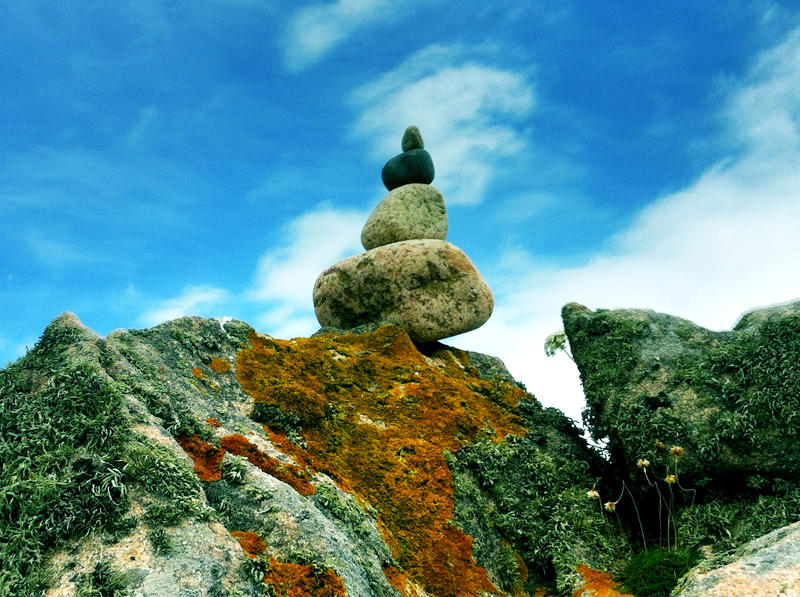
(314, 30)
(468, 113)
(58, 254)
(285, 277)
(728, 242)
(194, 300)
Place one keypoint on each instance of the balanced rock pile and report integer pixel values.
(409, 276)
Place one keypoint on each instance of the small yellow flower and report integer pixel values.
(641, 463)
(671, 479)
(676, 451)
(659, 445)
(593, 494)
(611, 506)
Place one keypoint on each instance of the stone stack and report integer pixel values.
(409, 275)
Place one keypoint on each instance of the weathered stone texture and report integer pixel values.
(408, 212)
(428, 287)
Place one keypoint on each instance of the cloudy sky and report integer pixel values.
(163, 158)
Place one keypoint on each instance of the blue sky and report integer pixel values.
(212, 158)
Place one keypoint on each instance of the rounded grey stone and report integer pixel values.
(410, 166)
(407, 212)
(428, 287)
(412, 139)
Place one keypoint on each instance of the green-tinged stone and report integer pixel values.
(408, 167)
(412, 139)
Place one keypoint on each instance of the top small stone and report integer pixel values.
(412, 139)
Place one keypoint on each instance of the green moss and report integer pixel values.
(605, 348)
(653, 573)
(173, 491)
(160, 541)
(103, 581)
(530, 498)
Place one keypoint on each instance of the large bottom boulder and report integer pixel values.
(428, 287)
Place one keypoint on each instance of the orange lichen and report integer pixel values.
(207, 458)
(295, 580)
(219, 365)
(213, 422)
(598, 584)
(288, 473)
(251, 543)
(198, 373)
(377, 416)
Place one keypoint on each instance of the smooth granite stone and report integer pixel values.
(428, 287)
(407, 212)
(408, 167)
(412, 139)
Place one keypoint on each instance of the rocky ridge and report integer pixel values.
(200, 457)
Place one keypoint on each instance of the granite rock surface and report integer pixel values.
(428, 287)
(408, 212)
(765, 567)
(200, 458)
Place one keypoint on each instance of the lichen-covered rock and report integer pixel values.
(704, 427)
(428, 287)
(765, 567)
(731, 400)
(201, 458)
(412, 211)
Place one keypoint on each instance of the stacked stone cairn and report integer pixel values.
(409, 275)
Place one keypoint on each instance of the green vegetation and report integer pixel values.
(70, 462)
(62, 435)
(103, 581)
(522, 496)
(653, 573)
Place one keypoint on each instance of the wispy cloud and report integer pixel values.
(193, 300)
(285, 276)
(314, 30)
(59, 254)
(468, 110)
(725, 244)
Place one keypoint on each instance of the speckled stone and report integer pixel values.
(408, 167)
(428, 287)
(412, 139)
(408, 212)
(765, 567)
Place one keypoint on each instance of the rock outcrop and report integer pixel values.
(202, 458)
(409, 276)
(765, 567)
(703, 426)
(730, 399)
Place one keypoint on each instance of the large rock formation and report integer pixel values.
(409, 276)
(704, 427)
(202, 458)
(730, 399)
